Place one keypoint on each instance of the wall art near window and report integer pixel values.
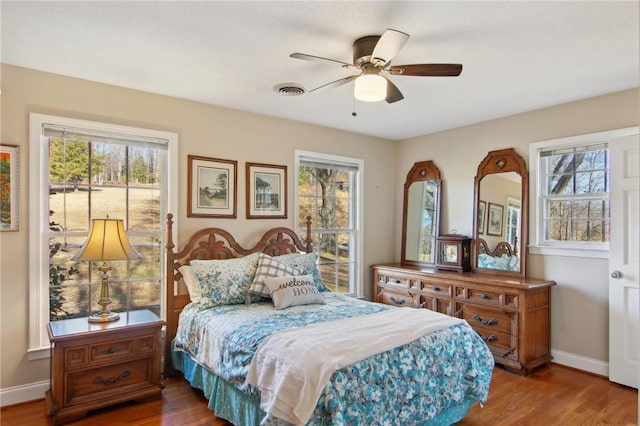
(212, 187)
(9, 187)
(494, 224)
(482, 214)
(266, 191)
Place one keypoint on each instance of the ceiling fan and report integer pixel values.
(372, 55)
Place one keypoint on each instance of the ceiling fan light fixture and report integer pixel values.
(370, 88)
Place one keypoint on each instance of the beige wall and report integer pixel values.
(580, 300)
(203, 130)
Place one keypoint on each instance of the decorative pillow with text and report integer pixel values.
(293, 291)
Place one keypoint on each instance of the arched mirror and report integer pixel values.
(421, 214)
(501, 212)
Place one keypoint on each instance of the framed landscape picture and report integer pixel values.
(9, 187)
(494, 224)
(266, 191)
(212, 187)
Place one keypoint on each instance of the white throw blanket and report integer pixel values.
(292, 367)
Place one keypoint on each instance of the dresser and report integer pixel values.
(96, 365)
(511, 314)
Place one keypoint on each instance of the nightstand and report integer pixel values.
(96, 365)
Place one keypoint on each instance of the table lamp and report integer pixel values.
(107, 241)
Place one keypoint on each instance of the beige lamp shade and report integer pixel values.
(107, 241)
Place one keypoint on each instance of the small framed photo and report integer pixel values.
(9, 187)
(494, 223)
(212, 187)
(266, 191)
(482, 214)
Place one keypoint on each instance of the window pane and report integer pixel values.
(143, 167)
(109, 164)
(587, 182)
(69, 302)
(560, 184)
(558, 230)
(558, 209)
(68, 162)
(144, 209)
(146, 295)
(109, 201)
(69, 209)
(149, 248)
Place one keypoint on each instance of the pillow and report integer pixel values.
(308, 263)
(224, 281)
(191, 281)
(293, 291)
(268, 267)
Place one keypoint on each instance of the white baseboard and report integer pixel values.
(23, 393)
(580, 362)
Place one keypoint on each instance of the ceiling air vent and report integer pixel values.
(290, 89)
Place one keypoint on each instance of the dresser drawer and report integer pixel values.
(436, 289)
(396, 298)
(396, 280)
(487, 319)
(101, 382)
(501, 344)
(487, 297)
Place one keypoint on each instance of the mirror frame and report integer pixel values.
(420, 172)
(502, 161)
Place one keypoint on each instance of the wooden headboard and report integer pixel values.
(502, 247)
(215, 243)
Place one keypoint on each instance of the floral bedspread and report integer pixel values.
(406, 385)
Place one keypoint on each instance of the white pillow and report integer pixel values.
(269, 267)
(191, 281)
(293, 291)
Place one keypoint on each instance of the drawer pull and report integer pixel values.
(110, 350)
(491, 338)
(397, 301)
(112, 380)
(492, 321)
(436, 288)
(484, 296)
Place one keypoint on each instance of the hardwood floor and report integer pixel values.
(553, 395)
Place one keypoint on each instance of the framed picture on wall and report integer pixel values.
(266, 191)
(482, 214)
(494, 223)
(211, 187)
(9, 187)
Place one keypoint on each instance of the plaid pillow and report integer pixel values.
(268, 267)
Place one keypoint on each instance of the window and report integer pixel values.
(513, 221)
(572, 195)
(83, 170)
(328, 190)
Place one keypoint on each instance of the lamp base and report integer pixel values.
(104, 317)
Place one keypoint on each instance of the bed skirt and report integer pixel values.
(241, 409)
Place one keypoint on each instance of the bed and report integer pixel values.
(503, 257)
(254, 358)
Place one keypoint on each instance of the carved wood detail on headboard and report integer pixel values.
(216, 243)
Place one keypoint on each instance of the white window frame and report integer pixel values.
(39, 223)
(356, 251)
(568, 248)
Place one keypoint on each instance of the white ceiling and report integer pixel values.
(517, 56)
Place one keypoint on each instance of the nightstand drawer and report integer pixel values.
(112, 350)
(98, 383)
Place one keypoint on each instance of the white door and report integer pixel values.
(624, 266)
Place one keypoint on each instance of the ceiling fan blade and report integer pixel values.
(312, 58)
(427, 70)
(388, 46)
(393, 93)
(336, 83)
